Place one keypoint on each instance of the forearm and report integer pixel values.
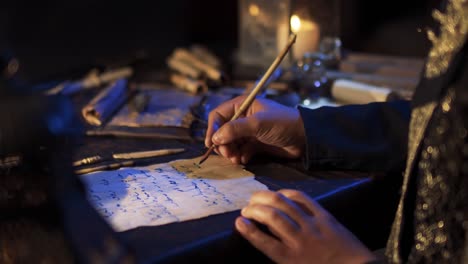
(370, 137)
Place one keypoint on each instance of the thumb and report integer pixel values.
(234, 130)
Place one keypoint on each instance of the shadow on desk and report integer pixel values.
(364, 203)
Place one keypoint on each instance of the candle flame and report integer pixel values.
(254, 10)
(295, 23)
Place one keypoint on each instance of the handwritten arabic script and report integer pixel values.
(159, 194)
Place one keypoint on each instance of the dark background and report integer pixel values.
(53, 37)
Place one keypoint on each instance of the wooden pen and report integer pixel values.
(129, 155)
(111, 166)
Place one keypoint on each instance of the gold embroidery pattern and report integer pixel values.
(419, 119)
(440, 200)
(453, 31)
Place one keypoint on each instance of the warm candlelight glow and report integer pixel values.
(295, 23)
(254, 10)
(308, 34)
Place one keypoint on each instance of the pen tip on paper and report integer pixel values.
(201, 161)
(206, 155)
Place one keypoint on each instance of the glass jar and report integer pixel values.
(310, 75)
(265, 26)
(263, 31)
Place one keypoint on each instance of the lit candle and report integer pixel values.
(308, 34)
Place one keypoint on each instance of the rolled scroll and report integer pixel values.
(106, 103)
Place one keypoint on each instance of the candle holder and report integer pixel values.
(318, 45)
(317, 25)
(265, 25)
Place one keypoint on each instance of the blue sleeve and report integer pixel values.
(371, 137)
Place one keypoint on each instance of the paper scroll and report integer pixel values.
(106, 103)
(160, 194)
(352, 92)
(213, 168)
(166, 108)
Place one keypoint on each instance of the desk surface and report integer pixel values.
(213, 238)
(349, 196)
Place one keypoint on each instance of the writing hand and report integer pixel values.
(266, 126)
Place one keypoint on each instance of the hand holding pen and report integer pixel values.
(249, 99)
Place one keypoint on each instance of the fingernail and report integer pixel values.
(243, 160)
(217, 138)
(242, 224)
(243, 211)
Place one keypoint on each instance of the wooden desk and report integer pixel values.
(354, 198)
(348, 195)
(351, 196)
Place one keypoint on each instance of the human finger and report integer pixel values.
(265, 243)
(306, 202)
(227, 150)
(215, 120)
(220, 115)
(280, 202)
(235, 130)
(280, 224)
(247, 150)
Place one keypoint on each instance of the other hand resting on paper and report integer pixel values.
(266, 126)
(303, 231)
